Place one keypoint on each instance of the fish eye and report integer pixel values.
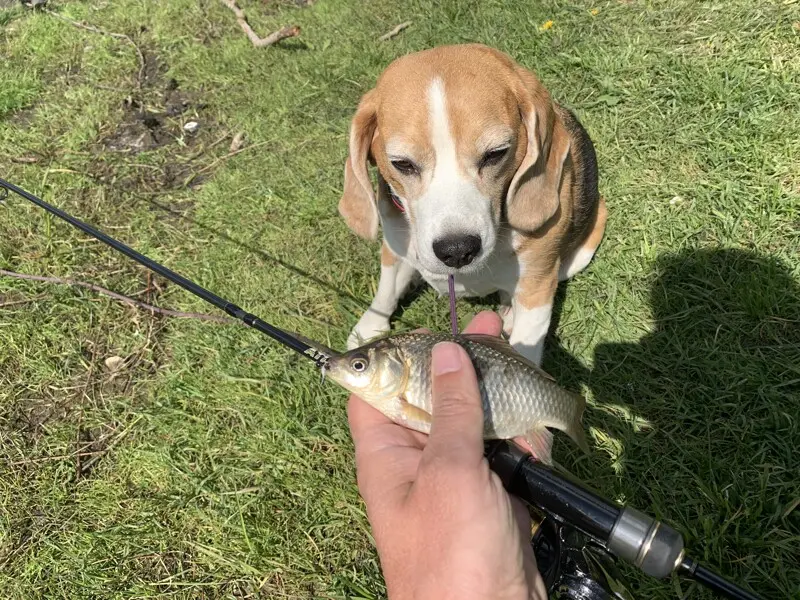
(359, 364)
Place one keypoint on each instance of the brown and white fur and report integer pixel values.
(514, 222)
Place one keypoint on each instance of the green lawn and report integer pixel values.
(211, 463)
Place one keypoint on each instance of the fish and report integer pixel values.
(520, 399)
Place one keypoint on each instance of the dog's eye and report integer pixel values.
(406, 167)
(492, 157)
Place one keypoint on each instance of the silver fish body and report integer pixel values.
(519, 399)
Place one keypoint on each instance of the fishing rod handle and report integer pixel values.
(654, 547)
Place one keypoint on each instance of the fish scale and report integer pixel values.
(509, 402)
(519, 399)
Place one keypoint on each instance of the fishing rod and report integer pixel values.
(316, 352)
(581, 534)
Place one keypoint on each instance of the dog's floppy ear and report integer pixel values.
(533, 194)
(357, 205)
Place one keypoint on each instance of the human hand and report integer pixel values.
(443, 523)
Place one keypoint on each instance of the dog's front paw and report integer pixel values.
(507, 315)
(370, 326)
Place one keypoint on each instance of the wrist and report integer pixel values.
(436, 580)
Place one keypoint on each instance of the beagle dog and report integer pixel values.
(480, 174)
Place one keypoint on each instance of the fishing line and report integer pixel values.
(451, 284)
(311, 350)
(277, 260)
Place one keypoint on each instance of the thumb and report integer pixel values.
(457, 426)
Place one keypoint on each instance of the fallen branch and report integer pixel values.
(389, 35)
(205, 149)
(259, 42)
(120, 297)
(119, 36)
(78, 452)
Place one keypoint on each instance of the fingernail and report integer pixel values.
(446, 358)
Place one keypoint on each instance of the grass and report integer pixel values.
(221, 467)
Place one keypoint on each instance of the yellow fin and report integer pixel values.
(414, 414)
(540, 441)
(575, 428)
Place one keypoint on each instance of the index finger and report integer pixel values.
(486, 322)
(386, 454)
(373, 431)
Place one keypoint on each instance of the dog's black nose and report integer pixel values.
(458, 250)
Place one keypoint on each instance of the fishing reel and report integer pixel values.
(580, 538)
(573, 565)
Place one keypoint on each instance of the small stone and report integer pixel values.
(238, 142)
(191, 126)
(113, 363)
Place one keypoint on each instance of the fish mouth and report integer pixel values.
(331, 371)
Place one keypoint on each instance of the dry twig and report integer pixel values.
(394, 32)
(259, 42)
(205, 149)
(42, 459)
(120, 297)
(119, 36)
(86, 383)
(7, 303)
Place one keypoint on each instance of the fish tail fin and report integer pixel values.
(539, 439)
(540, 442)
(574, 427)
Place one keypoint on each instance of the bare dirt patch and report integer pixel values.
(155, 118)
(162, 137)
(22, 118)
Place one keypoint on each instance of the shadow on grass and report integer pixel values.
(360, 303)
(718, 381)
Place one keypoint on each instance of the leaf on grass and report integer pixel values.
(608, 100)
